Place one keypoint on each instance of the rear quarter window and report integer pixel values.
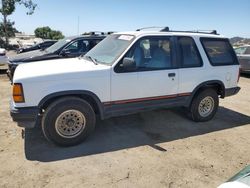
(219, 51)
(190, 56)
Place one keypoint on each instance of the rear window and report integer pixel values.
(219, 51)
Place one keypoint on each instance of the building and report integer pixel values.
(24, 40)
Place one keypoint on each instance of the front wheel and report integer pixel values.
(68, 121)
(204, 106)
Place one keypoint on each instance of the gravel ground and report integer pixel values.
(161, 148)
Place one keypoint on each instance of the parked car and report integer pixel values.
(68, 47)
(126, 73)
(240, 180)
(3, 58)
(40, 46)
(243, 54)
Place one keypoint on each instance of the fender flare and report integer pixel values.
(207, 84)
(73, 92)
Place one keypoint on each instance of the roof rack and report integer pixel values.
(166, 29)
(94, 33)
(214, 32)
(194, 31)
(98, 33)
(110, 32)
(154, 27)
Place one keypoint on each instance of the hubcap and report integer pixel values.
(206, 106)
(70, 123)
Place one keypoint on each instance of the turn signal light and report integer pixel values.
(17, 93)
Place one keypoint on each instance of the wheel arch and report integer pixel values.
(89, 96)
(216, 84)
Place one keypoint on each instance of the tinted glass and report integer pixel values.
(78, 46)
(59, 44)
(189, 53)
(93, 43)
(219, 51)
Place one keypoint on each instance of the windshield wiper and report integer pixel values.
(92, 59)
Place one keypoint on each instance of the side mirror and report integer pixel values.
(129, 64)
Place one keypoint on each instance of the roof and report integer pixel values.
(177, 33)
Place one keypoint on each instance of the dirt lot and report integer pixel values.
(152, 149)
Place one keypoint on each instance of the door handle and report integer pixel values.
(171, 74)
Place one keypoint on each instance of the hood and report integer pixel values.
(27, 56)
(57, 69)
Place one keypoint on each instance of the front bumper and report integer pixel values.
(26, 117)
(231, 91)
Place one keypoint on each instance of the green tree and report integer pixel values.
(43, 32)
(8, 7)
(10, 27)
(56, 35)
(48, 33)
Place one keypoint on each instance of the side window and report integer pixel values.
(150, 53)
(97, 41)
(190, 56)
(93, 43)
(219, 51)
(46, 44)
(72, 46)
(79, 46)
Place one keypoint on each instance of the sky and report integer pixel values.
(229, 17)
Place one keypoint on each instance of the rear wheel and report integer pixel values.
(68, 121)
(204, 105)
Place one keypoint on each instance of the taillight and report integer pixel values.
(18, 95)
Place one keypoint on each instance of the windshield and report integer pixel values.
(109, 49)
(57, 45)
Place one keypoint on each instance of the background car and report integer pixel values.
(3, 58)
(2, 51)
(41, 46)
(68, 47)
(243, 54)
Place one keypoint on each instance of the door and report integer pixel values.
(155, 75)
(192, 72)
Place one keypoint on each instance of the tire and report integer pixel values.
(68, 121)
(204, 105)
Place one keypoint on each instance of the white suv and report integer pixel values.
(126, 73)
